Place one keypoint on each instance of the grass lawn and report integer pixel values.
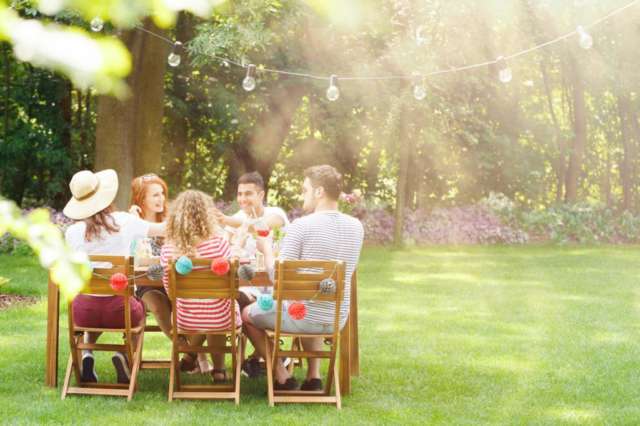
(466, 335)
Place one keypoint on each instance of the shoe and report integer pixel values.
(290, 384)
(88, 373)
(311, 385)
(188, 363)
(121, 365)
(252, 368)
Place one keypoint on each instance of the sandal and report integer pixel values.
(219, 371)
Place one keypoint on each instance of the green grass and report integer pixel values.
(471, 335)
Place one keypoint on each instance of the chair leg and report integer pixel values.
(337, 381)
(332, 365)
(172, 373)
(136, 367)
(67, 377)
(236, 375)
(76, 355)
(269, 365)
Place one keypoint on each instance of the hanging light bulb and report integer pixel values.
(174, 57)
(419, 90)
(97, 24)
(420, 38)
(249, 82)
(333, 93)
(585, 40)
(504, 72)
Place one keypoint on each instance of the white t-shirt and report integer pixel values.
(250, 244)
(116, 244)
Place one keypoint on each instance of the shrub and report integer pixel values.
(11, 245)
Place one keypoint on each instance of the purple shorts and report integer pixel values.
(105, 312)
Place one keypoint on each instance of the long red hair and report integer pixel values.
(139, 187)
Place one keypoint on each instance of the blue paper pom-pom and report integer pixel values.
(184, 265)
(265, 302)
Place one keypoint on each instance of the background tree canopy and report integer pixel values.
(565, 129)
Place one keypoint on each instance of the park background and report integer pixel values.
(498, 278)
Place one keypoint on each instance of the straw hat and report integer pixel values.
(92, 193)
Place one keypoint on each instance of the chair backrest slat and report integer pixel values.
(300, 279)
(100, 278)
(203, 283)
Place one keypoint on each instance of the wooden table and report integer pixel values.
(349, 352)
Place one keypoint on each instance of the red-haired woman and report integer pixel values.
(149, 201)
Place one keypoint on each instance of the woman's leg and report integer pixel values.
(217, 341)
(158, 304)
(203, 362)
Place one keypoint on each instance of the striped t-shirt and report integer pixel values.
(325, 235)
(201, 314)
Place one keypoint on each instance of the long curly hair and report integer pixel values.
(190, 221)
(139, 187)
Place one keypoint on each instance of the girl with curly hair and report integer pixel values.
(191, 232)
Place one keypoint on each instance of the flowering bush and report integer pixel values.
(460, 225)
(582, 223)
(347, 202)
(10, 244)
(568, 223)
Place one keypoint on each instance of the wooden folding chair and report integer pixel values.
(201, 283)
(298, 280)
(99, 284)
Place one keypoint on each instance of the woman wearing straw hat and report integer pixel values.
(99, 229)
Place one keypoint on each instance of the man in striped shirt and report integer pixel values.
(324, 234)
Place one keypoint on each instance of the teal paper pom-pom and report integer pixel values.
(265, 302)
(184, 265)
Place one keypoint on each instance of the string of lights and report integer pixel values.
(505, 75)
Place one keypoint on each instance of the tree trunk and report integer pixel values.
(129, 132)
(7, 90)
(401, 185)
(576, 153)
(559, 164)
(272, 128)
(625, 165)
(65, 101)
(239, 161)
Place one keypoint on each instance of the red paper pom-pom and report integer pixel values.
(220, 266)
(263, 232)
(118, 281)
(297, 311)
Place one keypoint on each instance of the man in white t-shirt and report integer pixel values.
(253, 216)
